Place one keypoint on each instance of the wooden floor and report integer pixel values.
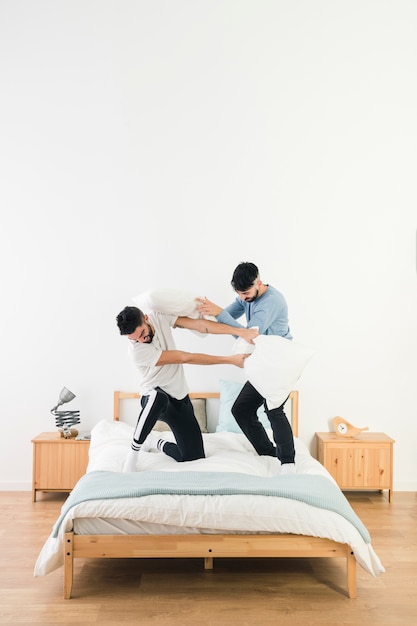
(259, 592)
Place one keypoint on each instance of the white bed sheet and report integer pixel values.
(181, 514)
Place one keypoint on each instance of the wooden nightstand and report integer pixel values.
(58, 463)
(363, 462)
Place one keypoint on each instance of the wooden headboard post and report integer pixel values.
(130, 395)
(294, 412)
(122, 395)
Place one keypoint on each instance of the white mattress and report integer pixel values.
(181, 514)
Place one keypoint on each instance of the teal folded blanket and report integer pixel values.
(314, 490)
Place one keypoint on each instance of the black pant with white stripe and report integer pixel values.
(179, 415)
(244, 411)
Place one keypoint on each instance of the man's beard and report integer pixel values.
(148, 338)
(254, 297)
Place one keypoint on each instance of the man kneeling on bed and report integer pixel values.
(163, 387)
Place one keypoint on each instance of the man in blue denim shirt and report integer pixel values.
(266, 308)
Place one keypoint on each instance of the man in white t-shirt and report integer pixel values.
(163, 387)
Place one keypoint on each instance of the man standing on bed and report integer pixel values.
(163, 387)
(266, 308)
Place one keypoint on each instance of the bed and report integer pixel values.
(233, 503)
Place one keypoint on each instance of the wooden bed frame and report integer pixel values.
(203, 546)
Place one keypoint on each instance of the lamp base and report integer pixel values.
(70, 433)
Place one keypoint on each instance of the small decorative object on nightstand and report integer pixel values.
(345, 429)
(363, 462)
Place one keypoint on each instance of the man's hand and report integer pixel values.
(205, 307)
(249, 334)
(238, 359)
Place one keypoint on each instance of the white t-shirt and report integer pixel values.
(171, 377)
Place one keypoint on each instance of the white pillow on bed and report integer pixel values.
(109, 446)
(229, 391)
(275, 365)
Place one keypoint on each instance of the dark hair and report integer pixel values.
(129, 319)
(244, 276)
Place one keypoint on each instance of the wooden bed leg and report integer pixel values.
(68, 565)
(208, 562)
(351, 574)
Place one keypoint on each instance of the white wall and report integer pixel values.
(151, 144)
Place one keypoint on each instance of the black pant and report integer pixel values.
(244, 411)
(179, 415)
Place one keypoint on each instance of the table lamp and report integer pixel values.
(65, 419)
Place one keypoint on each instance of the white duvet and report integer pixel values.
(180, 514)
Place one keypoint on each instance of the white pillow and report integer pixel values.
(109, 446)
(171, 302)
(274, 367)
(229, 391)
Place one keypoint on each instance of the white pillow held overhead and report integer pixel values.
(171, 302)
(168, 301)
